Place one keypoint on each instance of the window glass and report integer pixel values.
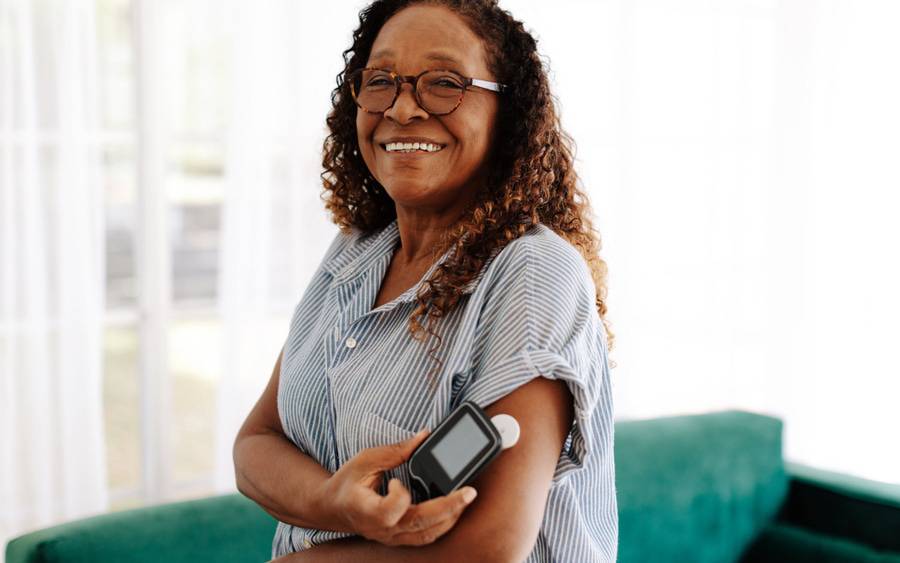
(121, 404)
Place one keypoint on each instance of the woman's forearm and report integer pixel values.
(271, 471)
(355, 549)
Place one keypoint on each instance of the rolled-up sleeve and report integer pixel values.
(541, 320)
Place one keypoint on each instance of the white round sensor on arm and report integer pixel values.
(508, 428)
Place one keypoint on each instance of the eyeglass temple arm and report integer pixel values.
(488, 85)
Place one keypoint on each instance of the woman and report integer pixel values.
(466, 269)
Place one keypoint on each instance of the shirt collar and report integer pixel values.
(363, 253)
(376, 249)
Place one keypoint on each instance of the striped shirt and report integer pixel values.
(353, 377)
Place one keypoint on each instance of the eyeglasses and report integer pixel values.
(438, 92)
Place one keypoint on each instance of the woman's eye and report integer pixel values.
(448, 83)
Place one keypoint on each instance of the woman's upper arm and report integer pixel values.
(263, 417)
(504, 520)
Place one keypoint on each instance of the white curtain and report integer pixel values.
(52, 454)
(274, 228)
(741, 159)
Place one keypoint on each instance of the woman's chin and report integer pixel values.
(410, 191)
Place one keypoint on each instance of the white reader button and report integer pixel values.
(350, 342)
(508, 428)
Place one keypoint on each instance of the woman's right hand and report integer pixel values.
(351, 495)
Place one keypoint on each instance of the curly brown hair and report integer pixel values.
(532, 179)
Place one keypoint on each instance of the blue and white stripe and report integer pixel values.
(352, 377)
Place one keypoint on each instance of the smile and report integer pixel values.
(412, 148)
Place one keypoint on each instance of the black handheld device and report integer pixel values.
(461, 446)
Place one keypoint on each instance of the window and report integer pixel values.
(163, 167)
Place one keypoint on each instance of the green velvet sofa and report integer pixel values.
(697, 488)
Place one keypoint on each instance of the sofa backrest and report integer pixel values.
(696, 487)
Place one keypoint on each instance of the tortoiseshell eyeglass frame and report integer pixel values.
(400, 79)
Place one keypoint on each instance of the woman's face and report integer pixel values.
(415, 39)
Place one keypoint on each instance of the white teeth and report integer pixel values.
(407, 147)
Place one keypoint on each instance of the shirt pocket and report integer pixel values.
(373, 431)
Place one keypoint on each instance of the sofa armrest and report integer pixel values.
(698, 487)
(843, 505)
(784, 542)
(226, 528)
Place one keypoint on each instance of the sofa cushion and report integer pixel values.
(227, 528)
(696, 487)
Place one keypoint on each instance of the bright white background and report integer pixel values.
(159, 219)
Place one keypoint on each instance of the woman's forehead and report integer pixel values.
(425, 35)
(444, 58)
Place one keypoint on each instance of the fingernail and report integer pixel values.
(469, 494)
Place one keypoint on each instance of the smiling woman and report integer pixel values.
(415, 40)
(466, 269)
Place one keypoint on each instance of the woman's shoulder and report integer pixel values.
(544, 252)
(346, 245)
(344, 239)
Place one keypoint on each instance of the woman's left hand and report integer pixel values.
(351, 496)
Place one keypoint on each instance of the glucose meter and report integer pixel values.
(460, 447)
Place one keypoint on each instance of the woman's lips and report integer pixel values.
(410, 154)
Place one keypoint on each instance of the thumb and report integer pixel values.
(392, 455)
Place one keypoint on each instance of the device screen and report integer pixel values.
(459, 446)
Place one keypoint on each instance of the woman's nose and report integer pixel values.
(406, 106)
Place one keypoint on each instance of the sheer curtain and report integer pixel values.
(52, 454)
(740, 158)
(274, 228)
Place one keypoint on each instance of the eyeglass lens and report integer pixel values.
(439, 91)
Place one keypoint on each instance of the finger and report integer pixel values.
(392, 455)
(426, 536)
(431, 533)
(389, 509)
(432, 512)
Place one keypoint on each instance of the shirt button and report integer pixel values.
(307, 544)
(350, 342)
